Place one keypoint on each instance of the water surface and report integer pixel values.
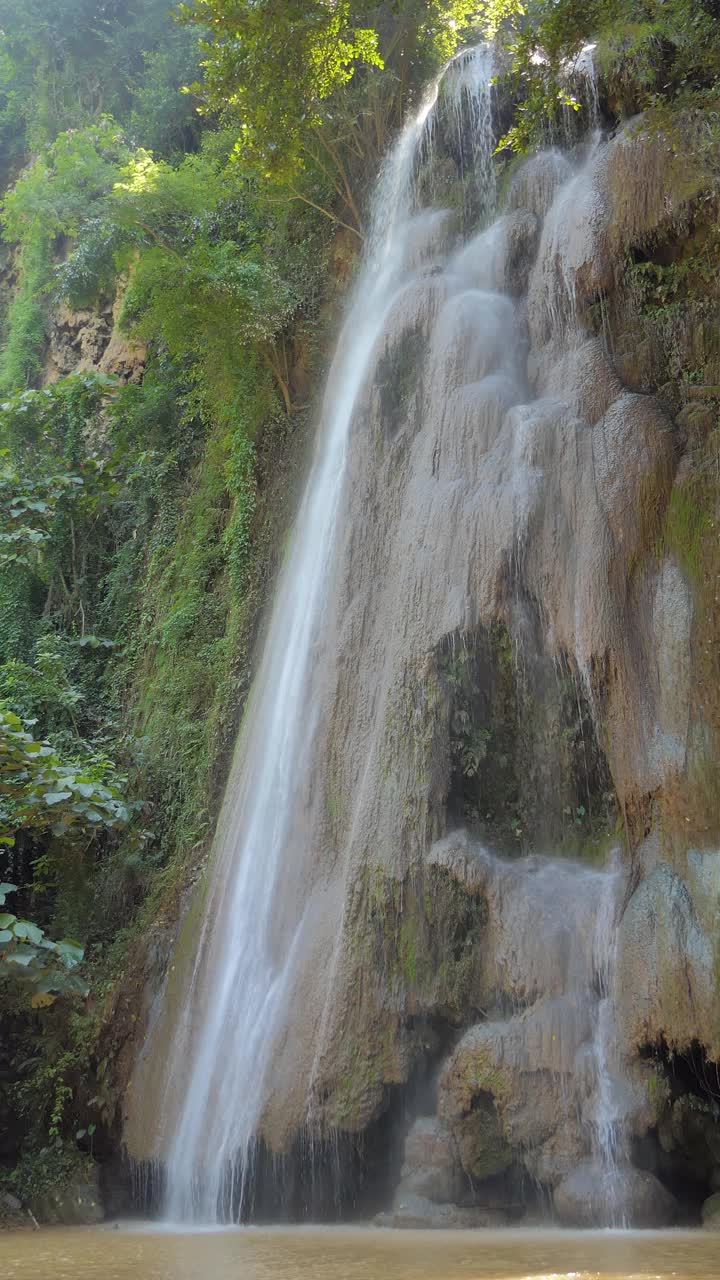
(360, 1254)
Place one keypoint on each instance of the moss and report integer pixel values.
(628, 60)
(690, 803)
(686, 526)
(483, 1150)
(415, 945)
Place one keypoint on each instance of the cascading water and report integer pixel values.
(551, 959)
(466, 462)
(239, 991)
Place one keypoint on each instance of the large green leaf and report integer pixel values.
(21, 957)
(24, 929)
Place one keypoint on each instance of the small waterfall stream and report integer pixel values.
(501, 472)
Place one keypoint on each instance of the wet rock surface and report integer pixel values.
(711, 1212)
(91, 340)
(412, 1212)
(75, 1204)
(430, 1167)
(591, 1196)
(666, 967)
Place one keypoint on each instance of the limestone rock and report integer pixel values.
(665, 968)
(691, 1134)
(430, 1167)
(711, 1213)
(500, 1091)
(90, 340)
(555, 1158)
(590, 1197)
(501, 257)
(649, 180)
(536, 181)
(74, 1204)
(483, 1149)
(469, 500)
(412, 1211)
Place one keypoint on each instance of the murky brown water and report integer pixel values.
(339, 1254)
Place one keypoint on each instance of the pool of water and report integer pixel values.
(129, 1253)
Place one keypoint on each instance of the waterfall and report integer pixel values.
(471, 436)
(239, 992)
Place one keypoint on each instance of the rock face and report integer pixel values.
(667, 984)
(587, 1196)
(91, 340)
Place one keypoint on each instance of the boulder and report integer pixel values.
(484, 1153)
(76, 1203)
(710, 1213)
(690, 1132)
(591, 1196)
(430, 1169)
(505, 1086)
(411, 1211)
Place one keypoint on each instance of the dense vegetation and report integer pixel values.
(141, 514)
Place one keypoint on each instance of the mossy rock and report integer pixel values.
(74, 1204)
(484, 1153)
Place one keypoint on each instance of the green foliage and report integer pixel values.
(41, 793)
(164, 115)
(270, 65)
(57, 190)
(649, 54)
(64, 63)
(45, 967)
(46, 1167)
(55, 494)
(51, 198)
(20, 359)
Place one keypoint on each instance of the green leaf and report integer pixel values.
(6, 935)
(23, 958)
(24, 929)
(54, 797)
(6, 920)
(70, 950)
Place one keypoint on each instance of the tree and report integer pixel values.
(270, 63)
(63, 63)
(279, 72)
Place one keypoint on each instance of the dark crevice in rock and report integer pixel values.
(527, 773)
(684, 1149)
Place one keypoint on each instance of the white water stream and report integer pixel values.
(245, 958)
